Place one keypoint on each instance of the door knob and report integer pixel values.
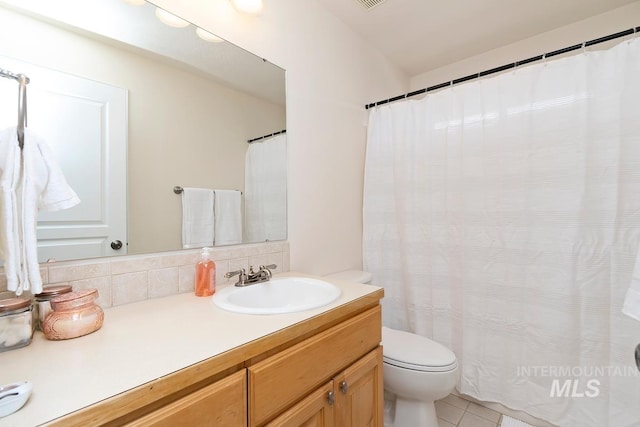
(116, 244)
(331, 397)
(344, 387)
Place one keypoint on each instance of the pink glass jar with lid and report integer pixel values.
(74, 314)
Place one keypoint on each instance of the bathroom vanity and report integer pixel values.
(180, 360)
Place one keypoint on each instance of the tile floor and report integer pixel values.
(454, 411)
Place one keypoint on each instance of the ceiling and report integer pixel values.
(422, 35)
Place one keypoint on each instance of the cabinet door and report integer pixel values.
(315, 410)
(222, 403)
(359, 393)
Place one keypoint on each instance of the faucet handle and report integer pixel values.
(268, 269)
(235, 273)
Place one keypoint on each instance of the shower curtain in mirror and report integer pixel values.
(266, 190)
(502, 218)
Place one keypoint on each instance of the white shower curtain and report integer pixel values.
(266, 190)
(502, 218)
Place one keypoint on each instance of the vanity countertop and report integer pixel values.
(142, 342)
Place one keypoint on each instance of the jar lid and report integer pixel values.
(74, 299)
(11, 304)
(54, 290)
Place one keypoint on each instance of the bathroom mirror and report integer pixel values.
(181, 108)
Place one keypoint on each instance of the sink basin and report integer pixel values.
(281, 295)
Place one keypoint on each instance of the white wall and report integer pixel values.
(604, 24)
(331, 75)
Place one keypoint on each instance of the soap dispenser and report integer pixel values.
(205, 284)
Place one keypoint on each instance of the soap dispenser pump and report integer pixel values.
(205, 285)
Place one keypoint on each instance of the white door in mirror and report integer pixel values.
(84, 122)
(14, 396)
(277, 296)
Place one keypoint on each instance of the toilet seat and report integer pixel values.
(415, 352)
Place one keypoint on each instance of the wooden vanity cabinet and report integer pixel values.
(353, 398)
(340, 367)
(325, 371)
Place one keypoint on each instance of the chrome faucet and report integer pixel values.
(245, 279)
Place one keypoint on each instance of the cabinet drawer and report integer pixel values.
(219, 404)
(279, 381)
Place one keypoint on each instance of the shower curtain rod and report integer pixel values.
(505, 67)
(266, 136)
(9, 75)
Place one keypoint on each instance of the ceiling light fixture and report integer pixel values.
(135, 2)
(252, 7)
(170, 19)
(207, 36)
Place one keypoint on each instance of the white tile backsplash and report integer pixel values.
(69, 271)
(129, 287)
(164, 282)
(102, 284)
(131, 278)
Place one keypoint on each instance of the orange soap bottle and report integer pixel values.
(205, 285)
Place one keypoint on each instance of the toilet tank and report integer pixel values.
(356, 276)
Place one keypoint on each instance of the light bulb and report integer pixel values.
(135, 2)
(248, 6)
(170, 19)
(207, 36)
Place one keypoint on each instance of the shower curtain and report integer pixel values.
(502, 218)
(266, 190)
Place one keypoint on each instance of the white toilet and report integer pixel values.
(417, 371)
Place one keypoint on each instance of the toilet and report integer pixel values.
(417, 371)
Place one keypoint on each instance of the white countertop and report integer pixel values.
(137, 343)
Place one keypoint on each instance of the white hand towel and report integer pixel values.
(197, 217)
(34, 182)
(228, 213)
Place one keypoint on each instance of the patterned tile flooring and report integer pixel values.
(454, 411)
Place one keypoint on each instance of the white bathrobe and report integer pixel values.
(30, 181)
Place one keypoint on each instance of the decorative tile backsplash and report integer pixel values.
(131, 278)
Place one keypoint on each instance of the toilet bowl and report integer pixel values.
(417, 371)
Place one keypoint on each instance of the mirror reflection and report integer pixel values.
(132, 108)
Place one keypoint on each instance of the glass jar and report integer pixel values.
(43, 302)
(16, 323)
(73, 314)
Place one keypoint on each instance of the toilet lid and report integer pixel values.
(411, 351)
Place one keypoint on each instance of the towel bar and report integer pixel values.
(178, 190)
